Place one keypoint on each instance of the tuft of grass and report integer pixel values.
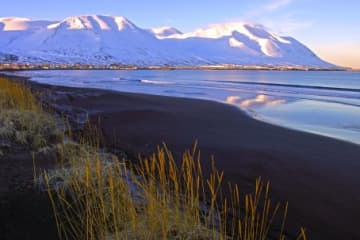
(16, 96)
(22, 121)
(158, 199)
(27, 128)
(96, 196)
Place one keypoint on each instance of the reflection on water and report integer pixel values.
(257, 101)
(321, 117)
(326, 118)
(327, 103)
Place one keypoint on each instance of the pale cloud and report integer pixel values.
(277, 4)
(268, 8)
(286, 25)
(272, 17)
(293, 25)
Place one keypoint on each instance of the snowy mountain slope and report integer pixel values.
(22, 24)
(164, 32)
(98, 39)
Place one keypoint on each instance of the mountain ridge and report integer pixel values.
(105, 39)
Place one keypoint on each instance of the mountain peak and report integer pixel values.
(94, 22)
(227, 29)
(114, 39)
(162, 32)
(9, 19)
(123, 22)
(22, 24)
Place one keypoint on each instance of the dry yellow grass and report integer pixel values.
(16, 96)
(34, 130)
(157, 199)
(101, 197)
(22, 121)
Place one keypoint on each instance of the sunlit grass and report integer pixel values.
(158, 199)
(22, 121)
(16, 96)
(31, 129)
(97, 196)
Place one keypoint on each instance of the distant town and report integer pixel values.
(80, 66)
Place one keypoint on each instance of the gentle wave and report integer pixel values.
(325, 102)
(155, 82)
(315, 87)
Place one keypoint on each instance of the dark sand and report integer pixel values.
(25, 212)
(319, 176)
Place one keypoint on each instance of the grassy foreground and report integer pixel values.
(23, 124)
(97, 196)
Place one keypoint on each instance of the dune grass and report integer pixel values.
(33, 130)
(96, 196)
(16, 96)
(158, 199)
(22, 121)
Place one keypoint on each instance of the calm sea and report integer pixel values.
(326, 103)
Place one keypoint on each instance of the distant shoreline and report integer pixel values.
(301, 166)
(298, 164)
(27, 67)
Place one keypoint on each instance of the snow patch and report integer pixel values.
(103, 39)
(163, 32)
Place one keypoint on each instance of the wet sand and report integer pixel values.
(319, 176)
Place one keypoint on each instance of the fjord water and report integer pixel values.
(321, 102)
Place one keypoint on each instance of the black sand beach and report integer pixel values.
(319, 176)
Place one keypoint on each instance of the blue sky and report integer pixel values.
(329, 27)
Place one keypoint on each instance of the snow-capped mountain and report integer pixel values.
(163, 32)
(98, 39)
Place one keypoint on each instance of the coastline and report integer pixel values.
(29, 66)
(318, 175)
(328, 130)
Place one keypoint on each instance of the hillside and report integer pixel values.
(97, 39)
